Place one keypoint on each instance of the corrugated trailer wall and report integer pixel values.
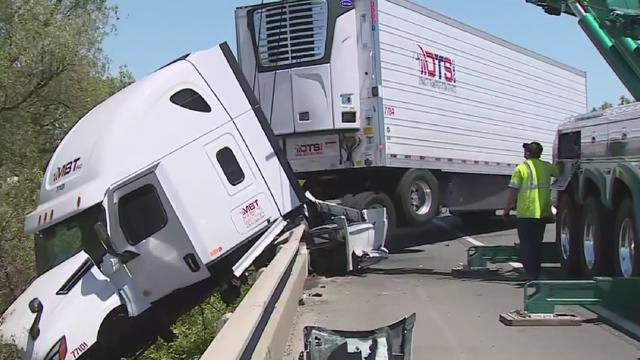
(460, 99)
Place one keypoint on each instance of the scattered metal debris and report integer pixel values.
(393, 342)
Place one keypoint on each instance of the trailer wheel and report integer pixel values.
(568, 235)
(627, 261)
(417, 196)
(594, 259)
(372, 200)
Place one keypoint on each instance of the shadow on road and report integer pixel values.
(445, 228)
(512, 278)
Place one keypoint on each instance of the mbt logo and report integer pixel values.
(248, 209)
(309, 149)
(436, 71)
(252, 213)
(66, 169)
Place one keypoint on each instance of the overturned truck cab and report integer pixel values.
(173, 181)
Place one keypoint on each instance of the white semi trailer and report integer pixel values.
(384, 103)
(171, 181)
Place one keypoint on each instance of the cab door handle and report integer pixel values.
(192, 262)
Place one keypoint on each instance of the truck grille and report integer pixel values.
(291, 32)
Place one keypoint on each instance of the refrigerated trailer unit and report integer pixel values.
(387, 103)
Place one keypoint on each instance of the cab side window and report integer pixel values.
(230, 166)
(141, 214)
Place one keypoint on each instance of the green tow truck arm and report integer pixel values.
(613, 26)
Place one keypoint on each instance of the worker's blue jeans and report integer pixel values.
(531, 234)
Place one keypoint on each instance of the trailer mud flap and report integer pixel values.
(393, 342)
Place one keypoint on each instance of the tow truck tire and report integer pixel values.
(626, 244)
(372, 200)
(417, 197)
(594, 257)
(568, 235)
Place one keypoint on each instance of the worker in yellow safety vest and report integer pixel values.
(531, 185)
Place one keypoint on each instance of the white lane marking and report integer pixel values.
(448, 228)
(515, 265)
(473, 241)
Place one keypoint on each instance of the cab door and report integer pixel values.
(143, 223)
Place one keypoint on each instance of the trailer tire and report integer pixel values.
(372, 200)
(417, 197)
(568, 236)
(627, 263)
(594, 256)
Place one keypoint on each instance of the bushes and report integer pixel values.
(8, 352)
(195, 330)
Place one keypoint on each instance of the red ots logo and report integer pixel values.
(309, 149)
(436, 71)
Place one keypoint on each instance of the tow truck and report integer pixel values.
(598, 194)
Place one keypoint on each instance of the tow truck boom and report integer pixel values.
(613, 26)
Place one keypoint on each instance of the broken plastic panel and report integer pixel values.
(393, 342)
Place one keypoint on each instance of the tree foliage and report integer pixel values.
(622, 100)
(196, 329)
(52, 71)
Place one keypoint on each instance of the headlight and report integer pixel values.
(58, 351)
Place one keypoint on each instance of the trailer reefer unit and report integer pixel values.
(387, 103)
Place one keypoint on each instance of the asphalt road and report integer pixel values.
(457, 317)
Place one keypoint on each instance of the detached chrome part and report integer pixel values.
(393, 342)
(361, 232)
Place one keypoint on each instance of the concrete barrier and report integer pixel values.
(259, 327)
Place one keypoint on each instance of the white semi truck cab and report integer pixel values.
(173, 176)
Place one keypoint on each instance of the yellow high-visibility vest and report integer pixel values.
(533, 180)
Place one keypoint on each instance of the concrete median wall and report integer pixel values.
(259, 327)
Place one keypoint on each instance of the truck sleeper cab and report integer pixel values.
(149, 189)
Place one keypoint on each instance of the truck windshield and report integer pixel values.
(63, 240)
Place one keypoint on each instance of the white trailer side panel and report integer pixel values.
(458, 99)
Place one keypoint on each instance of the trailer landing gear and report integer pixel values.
(484, 258)
(612, 299)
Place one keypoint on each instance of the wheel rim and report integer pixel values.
(588, 244)
(626, 247)
(565, 235)
(420, 197)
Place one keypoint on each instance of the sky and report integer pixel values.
(151, 33)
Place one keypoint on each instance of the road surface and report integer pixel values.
(457, 317)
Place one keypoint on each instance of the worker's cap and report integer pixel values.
(533, 147)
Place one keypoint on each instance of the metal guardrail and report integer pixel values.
(259, 327)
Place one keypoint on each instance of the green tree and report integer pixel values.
(52, 71)
(623, 100)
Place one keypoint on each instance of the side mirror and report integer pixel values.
(104, 238)
(35, 306)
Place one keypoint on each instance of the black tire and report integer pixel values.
(625, 233)
(594, 259)
(411, 193)
(114, 337)
(568, 236)
(371, 200)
